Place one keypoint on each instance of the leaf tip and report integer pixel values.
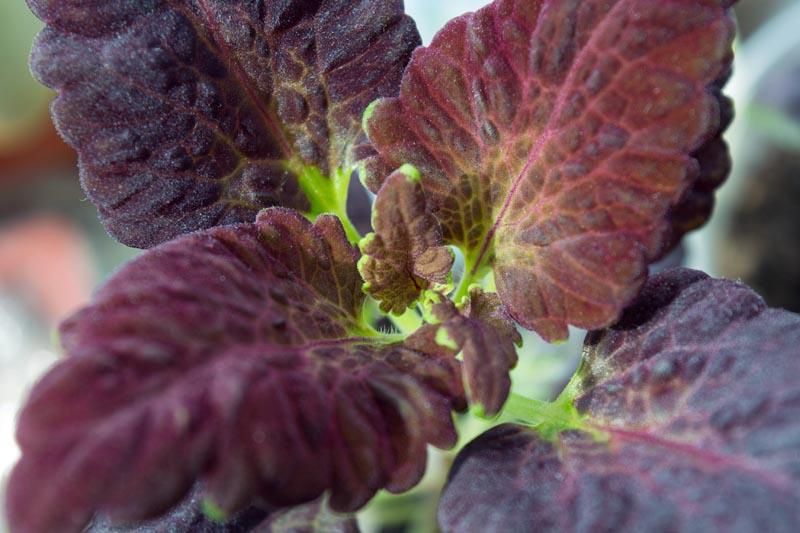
(368, 112)
(410, 172)
(444, 339)
(213, 511)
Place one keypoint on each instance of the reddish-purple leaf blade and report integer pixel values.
(566, 143)
(188, 114)
(234, 356)
(405, 255)
(696, 392)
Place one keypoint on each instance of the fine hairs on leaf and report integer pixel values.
(147, 403)
(405, 255)
(564, 144)
(190, 114)
(265, 366)
(695, 394)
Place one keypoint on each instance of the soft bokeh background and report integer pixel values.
(53, 251)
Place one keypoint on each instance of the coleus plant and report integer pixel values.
(235, 375)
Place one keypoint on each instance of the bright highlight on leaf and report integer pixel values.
(405, 256)
(696, 392)
(565, 143)
(234, 356)
(191, 114)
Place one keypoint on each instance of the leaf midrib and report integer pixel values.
(548, 131)
(735, 461)
(268, 117)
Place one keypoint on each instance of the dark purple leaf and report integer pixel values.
(237, 357)
(692, 409)
(188, 114)
(565, 143)
(405, 255)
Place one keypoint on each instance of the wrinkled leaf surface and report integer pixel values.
(565, 143)
(693, 404)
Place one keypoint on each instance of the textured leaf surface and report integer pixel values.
(486, 337)
(405, 255)
(313, 517)
(696, 391)
(566, 143)
(235, 356)
(192, 113)
(187, 517)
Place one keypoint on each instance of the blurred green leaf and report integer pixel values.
(22, 99)
(777, 126)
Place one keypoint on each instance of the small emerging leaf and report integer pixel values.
(565, 143)
(191, 114)
(405, 255)
(234, 357)
(695, 394)
(486, 337)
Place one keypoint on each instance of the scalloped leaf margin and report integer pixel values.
(695, 395)
(192, 114)
(235, 357)
(566, 144)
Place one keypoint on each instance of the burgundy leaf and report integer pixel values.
(695, 397)
(188, 114)
(234, 356)
(405, 255)
(566, 143)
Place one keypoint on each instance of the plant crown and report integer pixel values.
(236, 372)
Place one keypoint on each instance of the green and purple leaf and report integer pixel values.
(692, 409)
(405, 255)
(565, 143)
(486, 337)
(188, 114)
(235, 357)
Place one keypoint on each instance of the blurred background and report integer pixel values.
(53, 251)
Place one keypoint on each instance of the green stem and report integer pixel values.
(472, 274)
(366, 330)
(463, 288)
(548, 418)
(353, 234)
(328, 195)
(408, 322)
(534, 412)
